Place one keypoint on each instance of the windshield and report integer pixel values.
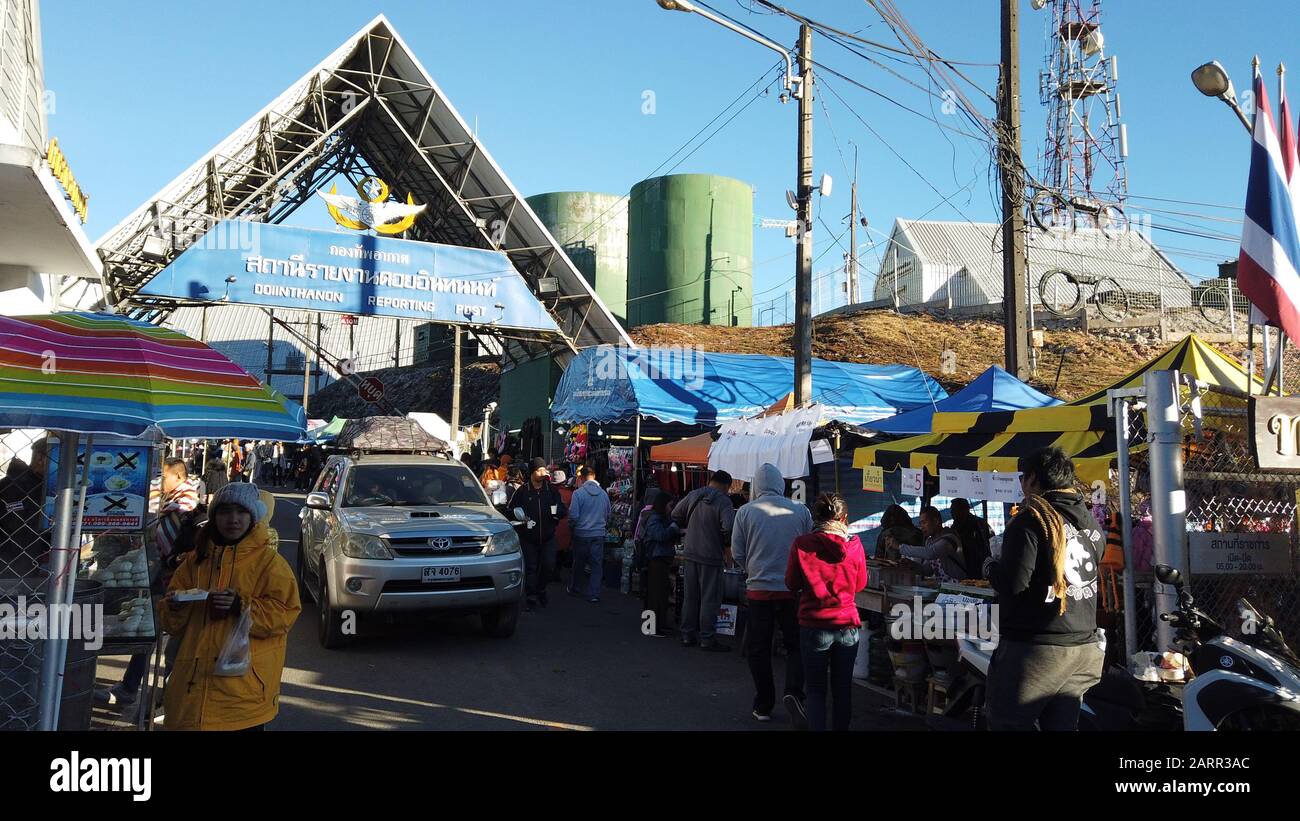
(408, 485)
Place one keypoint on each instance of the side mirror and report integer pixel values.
(319, 501)
(1168, 575)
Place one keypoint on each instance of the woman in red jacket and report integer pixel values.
(829, 567)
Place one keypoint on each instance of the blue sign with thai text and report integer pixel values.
(280, 266)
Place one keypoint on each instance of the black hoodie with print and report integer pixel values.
(1022, 577)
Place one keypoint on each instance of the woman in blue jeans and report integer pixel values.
(828, 567)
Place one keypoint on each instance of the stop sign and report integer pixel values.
(371, 389)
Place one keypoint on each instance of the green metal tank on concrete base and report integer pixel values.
(592, 229)
(690, 251)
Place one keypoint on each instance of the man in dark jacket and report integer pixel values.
(706, 514)
(1050, 650)
(974, 534)
(537, 508)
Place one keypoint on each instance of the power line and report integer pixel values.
(892, 101)
(1185, 202)
(882, 46)
(598, 223)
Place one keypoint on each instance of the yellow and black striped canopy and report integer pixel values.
(996, 440)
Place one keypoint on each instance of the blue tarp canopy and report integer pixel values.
(607, 383)
(993, 390)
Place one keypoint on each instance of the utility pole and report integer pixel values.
(455, 393)
(203, 337)
(803, 254)
(1015, 295)
(315, 380)
(306, 368)
(851, 287)
(270, 345)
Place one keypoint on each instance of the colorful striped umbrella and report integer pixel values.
(102, 373)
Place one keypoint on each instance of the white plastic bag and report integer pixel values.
(236, 655)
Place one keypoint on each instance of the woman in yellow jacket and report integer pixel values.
(233, 560)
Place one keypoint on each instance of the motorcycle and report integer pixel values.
(1250, 681)
(1246, 682)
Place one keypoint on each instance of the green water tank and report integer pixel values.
(690, 251)
(592, 229)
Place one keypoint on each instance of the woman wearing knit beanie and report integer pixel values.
(234, 562)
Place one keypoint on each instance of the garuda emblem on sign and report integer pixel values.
(372, 210)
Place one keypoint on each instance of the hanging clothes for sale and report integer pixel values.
(620, 462)
(1112, 565)
(575, 450)
(531, 443)
(667, 480)
(600, 461)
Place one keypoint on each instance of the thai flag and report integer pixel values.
(1268, 270)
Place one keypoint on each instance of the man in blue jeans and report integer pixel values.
(589, 517)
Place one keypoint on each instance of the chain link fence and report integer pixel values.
(1241, 522)
(24, 543)
(1140, 542)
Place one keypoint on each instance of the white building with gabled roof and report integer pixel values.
(959, 264)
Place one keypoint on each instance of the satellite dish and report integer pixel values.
(1094, 42)
(1038, 5)
(791, 200)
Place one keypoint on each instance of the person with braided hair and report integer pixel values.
(1050, 651)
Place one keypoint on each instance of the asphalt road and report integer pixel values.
(571, 666)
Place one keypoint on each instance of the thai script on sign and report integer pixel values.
(1287, 430)
(59, 167)
(357, 252)
(297, 266)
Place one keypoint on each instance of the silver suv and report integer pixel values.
(393, 534)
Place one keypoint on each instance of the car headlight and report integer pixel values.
(500, 544)
(361, 546)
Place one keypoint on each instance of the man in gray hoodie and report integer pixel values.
(760, 543)
(589, 517)
(706, 515)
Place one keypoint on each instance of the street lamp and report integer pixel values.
(1213, 81)
(800, 87)
(793, 84)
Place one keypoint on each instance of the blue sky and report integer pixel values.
(558, 87)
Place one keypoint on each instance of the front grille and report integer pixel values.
(408, 546)
(417, 586)
(469, 550)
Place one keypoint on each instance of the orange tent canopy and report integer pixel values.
(780, 406)
(692, 451)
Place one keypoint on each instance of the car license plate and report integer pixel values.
(435, 575)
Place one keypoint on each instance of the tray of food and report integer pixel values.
(970, 587)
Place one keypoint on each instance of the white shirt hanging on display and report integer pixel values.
(781, 440)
